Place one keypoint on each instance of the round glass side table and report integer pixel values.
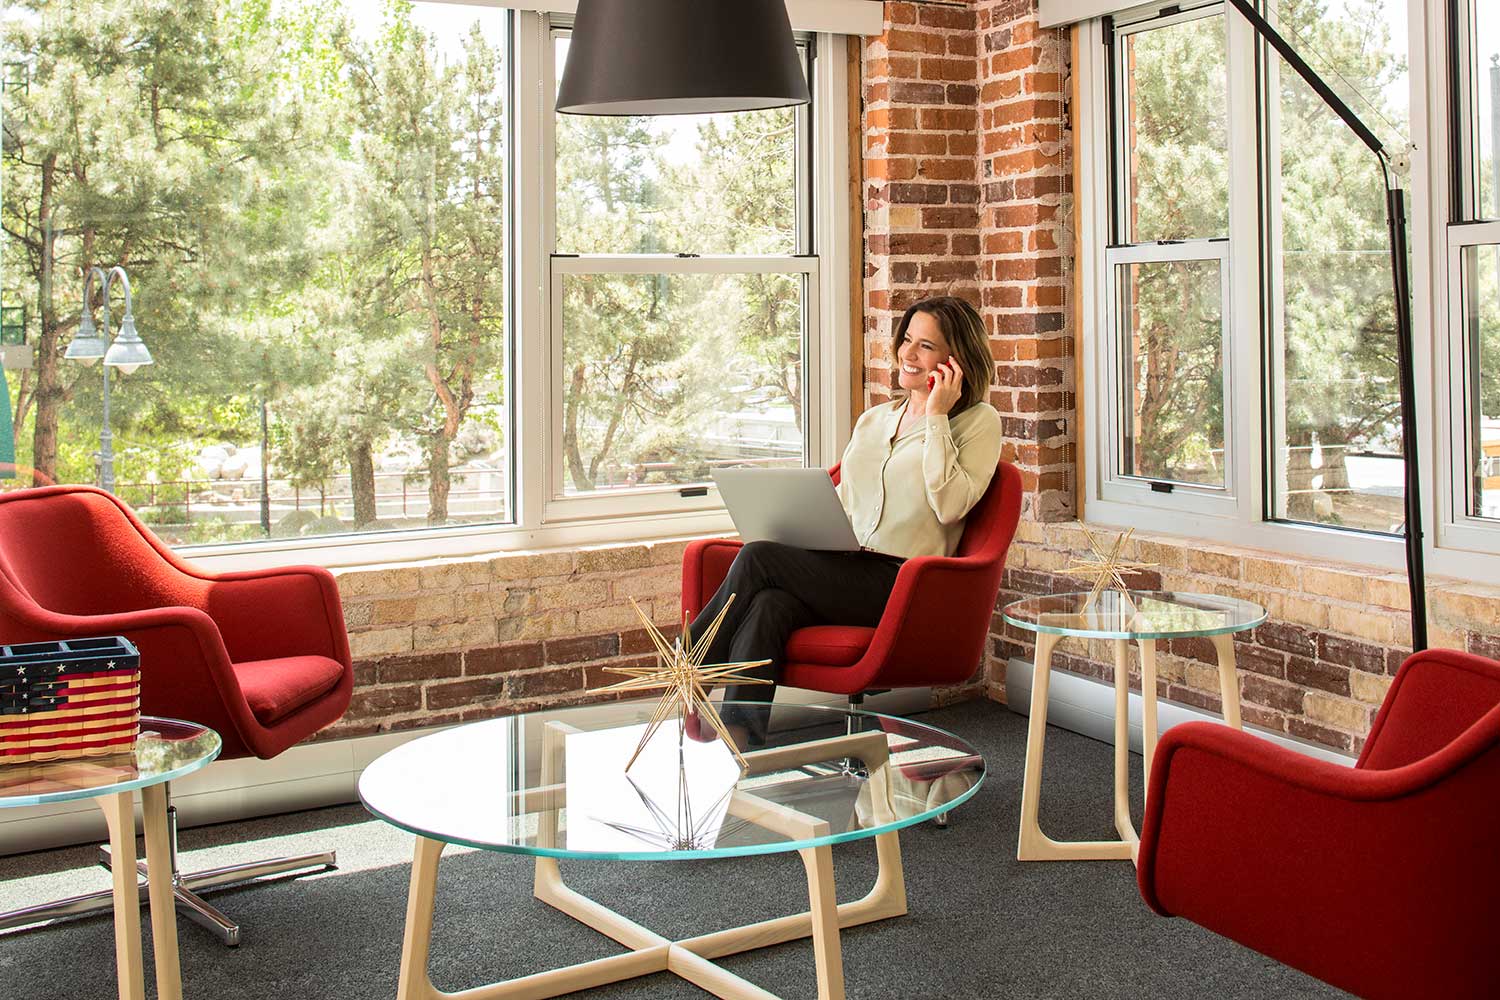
(166, 749)
(1142, 616)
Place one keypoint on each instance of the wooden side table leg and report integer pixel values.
(119, 814)
(163, 903)
(827, 950)
(414, 983)
(1123, 825)
(1032, 842)
(1229, 685)
(1149, 729)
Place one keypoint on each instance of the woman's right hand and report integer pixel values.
(947, 386)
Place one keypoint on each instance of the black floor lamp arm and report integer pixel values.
(1395, 205)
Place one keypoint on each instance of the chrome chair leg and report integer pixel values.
(185, 888)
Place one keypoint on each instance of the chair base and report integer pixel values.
(185, 889)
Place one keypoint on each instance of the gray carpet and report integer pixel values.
(981, 924)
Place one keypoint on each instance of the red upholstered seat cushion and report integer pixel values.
(829, 645)
(275, 689)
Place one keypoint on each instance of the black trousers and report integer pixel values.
(778, 589)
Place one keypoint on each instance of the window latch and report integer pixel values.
(693, 491)
(687, 255)
(1161, 487)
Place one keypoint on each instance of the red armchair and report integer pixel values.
(936, 620)
(1383, 879)
(261, 656)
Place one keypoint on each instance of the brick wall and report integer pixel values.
(967, 192)
(921, 190)
(457, 640)
(1317, 670)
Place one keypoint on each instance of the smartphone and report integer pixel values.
(931, 381)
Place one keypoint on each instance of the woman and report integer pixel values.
(913, 468)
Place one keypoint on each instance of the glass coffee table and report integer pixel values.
(166, 750)
(554, 786)
(1144, 616)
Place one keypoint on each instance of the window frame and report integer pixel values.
(530, 218)
(1458, 223)
(685, 498)
(1246, 519)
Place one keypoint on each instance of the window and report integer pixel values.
(1168, 262)
(386, 288)
(310, 202)
(1247, 375)
(1335, 435)
(684, 296)
(1474, 274)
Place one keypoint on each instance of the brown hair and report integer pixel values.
(967, 341)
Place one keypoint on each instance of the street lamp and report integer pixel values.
(127, 353)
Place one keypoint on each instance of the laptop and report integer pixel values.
(792, 506)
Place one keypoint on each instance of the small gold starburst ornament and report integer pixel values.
(684, 679)
(1106, 566)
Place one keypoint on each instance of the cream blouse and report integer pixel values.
(907, 496)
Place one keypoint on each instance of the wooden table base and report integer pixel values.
(651, 953)
(1034, 845)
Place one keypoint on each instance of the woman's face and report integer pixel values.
(921, 352)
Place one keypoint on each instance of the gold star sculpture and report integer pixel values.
(683, 677)
(1106, 567)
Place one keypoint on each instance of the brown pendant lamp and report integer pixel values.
(680, 57)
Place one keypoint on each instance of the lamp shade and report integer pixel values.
(87, 345)
(680, 57)
(128, 352)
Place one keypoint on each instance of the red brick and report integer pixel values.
(538, 683)
(500, 659)
(1351, 653)
(381, 702)
(458, 694)
(1319, 675)
(421, 667)
(948, 69)
(1272, 694)
(1303, 729)
(577, 649)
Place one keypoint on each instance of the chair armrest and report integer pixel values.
(1437, 695)
(285, 611)
(705, 563)
(1302, 859)
(185, 671)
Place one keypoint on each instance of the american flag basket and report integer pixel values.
(61, 700)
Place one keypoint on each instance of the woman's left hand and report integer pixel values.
(947, 384)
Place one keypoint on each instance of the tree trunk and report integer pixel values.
(362, 482)
(581, 478)
(437, 478)
(48, 395)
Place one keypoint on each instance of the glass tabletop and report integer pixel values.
(1135, 614)
(555, 784)
(166, 749)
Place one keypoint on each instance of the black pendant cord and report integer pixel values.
(1395, 207)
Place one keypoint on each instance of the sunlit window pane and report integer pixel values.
(309, 197)
(1176, 133)
(666, 377)
(1481, 319)
(1172, 316)
(1336, 414)
(704, 184)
